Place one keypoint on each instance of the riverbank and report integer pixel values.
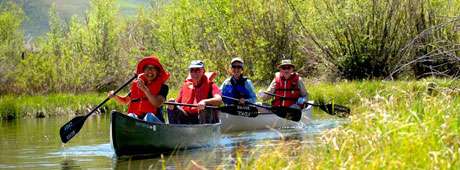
(352, 94)
(394, 125)
(13, 107)
(59, 104)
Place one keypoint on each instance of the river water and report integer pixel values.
(35, 144)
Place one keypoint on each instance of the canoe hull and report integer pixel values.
(131, 136)
(266, 120)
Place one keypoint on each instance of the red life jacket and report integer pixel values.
(133, 106)
(193, 95)
(144, 105)
(289, 88)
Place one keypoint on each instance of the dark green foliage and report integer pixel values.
(9, 109)
(261, 32)
(11, 43)
(353, 39)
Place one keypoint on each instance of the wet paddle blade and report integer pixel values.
(334, 109)
(246, 111)
(71, 128)
(288, 113)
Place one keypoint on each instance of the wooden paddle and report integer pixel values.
(289, 113)
(71, 128)
(332, 108)
(245, 111)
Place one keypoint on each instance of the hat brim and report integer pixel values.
(194, 66)
(237, 64)
(286, 65)
(239, 61)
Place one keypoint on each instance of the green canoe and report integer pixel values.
(131, 136)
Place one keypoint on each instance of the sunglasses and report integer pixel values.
(150, 68)
(194, 70)
(237, 66)
(285, 67)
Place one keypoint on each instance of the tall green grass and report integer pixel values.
(397, 124)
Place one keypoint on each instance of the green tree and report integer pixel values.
(11, 42)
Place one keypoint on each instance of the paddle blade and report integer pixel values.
(71, 128)
(246, 111)
(334, 109)
(289, 113)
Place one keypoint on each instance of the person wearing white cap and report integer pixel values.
(287, 86)
(238, 86)
(197, 89)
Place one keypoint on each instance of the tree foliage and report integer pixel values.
(352, 39)
(11, 42)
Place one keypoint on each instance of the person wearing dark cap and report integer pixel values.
(238, 86)
(148, 92)
(198, 89)
(287, 84)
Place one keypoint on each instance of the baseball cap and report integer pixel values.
(196, 64)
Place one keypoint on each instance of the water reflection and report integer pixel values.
(231, 146)
(68, 164)
(31, 143)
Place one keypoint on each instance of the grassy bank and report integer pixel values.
(408, 125)
(12, 107)
(394, 124)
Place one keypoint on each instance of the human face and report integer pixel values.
(286, 70)
(196, 73)
(151, 72)
(237, 69)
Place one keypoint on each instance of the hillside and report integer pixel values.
(37, 11)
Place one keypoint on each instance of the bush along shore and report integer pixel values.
(13, 107)
(346, 39)
(394, 125)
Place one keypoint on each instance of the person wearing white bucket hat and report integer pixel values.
(287, 87)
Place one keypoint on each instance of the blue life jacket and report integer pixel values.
(235, 89)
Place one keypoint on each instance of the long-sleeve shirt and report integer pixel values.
(241, 88)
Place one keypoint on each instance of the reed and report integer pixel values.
(396, 124)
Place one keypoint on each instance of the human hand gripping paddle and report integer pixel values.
(245, 111)
(289, 113)
(332, 109)
(71, 128)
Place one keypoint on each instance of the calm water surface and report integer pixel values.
(35, 144)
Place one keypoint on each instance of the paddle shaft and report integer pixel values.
(233, 110)
(189, 105)
(284, 112)
(254, 104)
(71, 128)
(114, 93)
(271, 94)
(328, 108)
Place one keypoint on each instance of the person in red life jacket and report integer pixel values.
(148, 92)
(199, 89)
(287, 84)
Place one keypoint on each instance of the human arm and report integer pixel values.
(226, 90)
(216, 100)
(303, 92)
(251, 94)
(270, 89)
(155, 100)
(120, 99)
